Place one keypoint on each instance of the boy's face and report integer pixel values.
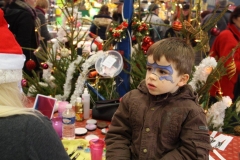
(161, 76)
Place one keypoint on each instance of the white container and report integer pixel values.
(110, 64)
(86, 104)
(68, 123)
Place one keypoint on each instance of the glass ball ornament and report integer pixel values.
(177, 25)
(30, 64)
(44, 65)
(64, 52)
(215, 31)
(24, 82)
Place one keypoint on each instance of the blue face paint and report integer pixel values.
(167, 69)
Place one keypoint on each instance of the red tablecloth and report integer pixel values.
(232, 152)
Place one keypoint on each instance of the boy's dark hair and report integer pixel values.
(175, 50)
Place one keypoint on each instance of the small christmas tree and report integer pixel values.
(66, 71)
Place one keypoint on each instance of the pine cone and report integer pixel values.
(237, 130)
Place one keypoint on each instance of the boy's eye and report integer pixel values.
(162, 72)
(149, 68)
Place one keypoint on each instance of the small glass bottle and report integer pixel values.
(79, 109)
(68, 123)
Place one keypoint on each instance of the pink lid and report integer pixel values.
(96, 143)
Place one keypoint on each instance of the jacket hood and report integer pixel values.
(13, 11)
(184, 92)
(103, 21)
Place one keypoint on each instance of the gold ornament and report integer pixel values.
(219, 93)
(64, 52)
(188, 26)
(237, 130)
(231, 69)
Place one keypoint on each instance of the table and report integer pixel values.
(97, 132)
(232, 152)
(30, 102)
(80, 141)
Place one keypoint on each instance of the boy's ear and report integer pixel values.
(183, 80)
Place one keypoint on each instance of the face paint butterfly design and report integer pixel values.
(163, 72)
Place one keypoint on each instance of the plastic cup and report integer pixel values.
(96, 148)
(61, 107)
(57, 125)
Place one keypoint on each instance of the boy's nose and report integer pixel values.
(153, 76)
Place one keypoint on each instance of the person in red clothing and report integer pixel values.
(222, 46)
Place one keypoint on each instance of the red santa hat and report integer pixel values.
(11, 56)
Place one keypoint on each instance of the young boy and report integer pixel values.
(161, 119)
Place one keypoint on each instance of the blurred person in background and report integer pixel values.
(117, 15)
(185, 11)
(139, 13)
(1, 3)
(204, 14)
(223, 21)
(100, 22)
(222, 46)
(155, 22)
(41, 8)
(24, 24)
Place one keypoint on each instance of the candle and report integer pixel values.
(57, 125)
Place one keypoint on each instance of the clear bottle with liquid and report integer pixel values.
(68, 123)
(86, 103)
(79, 109)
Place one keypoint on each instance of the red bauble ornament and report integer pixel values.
(144, 47)
(140, 28)
(177, 25)
(44, 65)
(24, 82)
(150, 43)
(125, 24)
(133, 38)
(30, 64)
(215, 31)
(147, 39)
(116, 34)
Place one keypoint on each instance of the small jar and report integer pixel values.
(90, 127)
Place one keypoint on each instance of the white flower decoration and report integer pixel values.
(216, 113)
(202, 71)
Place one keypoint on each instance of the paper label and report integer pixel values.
(221, 141)
(109, 61)
(70, 120)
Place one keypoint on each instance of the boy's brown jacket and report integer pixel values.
(166, 127)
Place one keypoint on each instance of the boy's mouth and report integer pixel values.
(151, 85)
